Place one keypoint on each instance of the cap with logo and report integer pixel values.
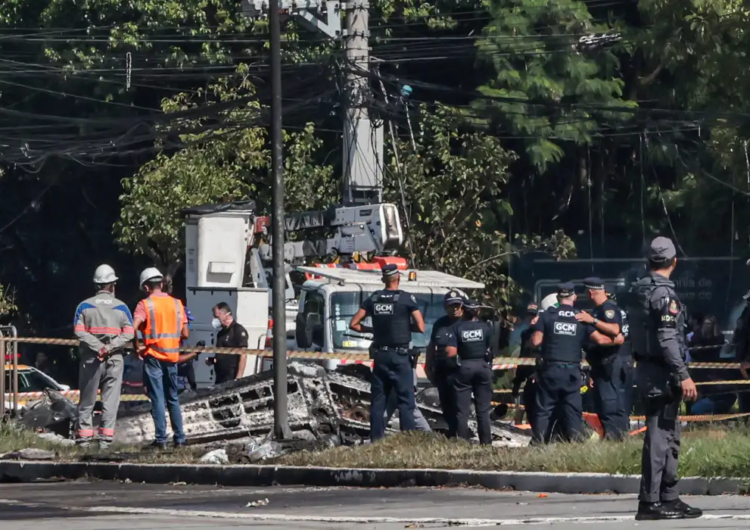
(189, 315)
(453, 297)
(593, 283)
(566, 289)
(389, 270)
(661, 249)
(532, 309)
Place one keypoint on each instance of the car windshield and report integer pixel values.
(345, 305)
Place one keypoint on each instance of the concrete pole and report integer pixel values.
(363, 144)
(280, 411)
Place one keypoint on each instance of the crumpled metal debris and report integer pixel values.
(217, 456)
(54, 412)
(264, 451)
(324, 408)
(29, 454)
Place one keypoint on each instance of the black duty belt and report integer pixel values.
(397, 349)
(567, 364)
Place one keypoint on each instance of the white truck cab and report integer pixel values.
(331, 296)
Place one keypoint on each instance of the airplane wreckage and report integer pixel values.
(321, 404)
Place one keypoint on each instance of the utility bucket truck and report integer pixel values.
(228, 253)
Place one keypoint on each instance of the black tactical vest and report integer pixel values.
(391, 319)
(473, 337)
(626, 349)
(643, 325)
(564, 336)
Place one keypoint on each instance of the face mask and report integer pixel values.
(216, 323)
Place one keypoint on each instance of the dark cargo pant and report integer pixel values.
(559, 387)
(391, 370)
(447, 393)
(661, 451)
(474, 376)
(611, 382)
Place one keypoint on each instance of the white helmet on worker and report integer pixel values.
(152, 273)
(104, 275)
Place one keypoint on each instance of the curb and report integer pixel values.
(570, 483)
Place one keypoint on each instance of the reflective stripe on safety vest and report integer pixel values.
(162, 332)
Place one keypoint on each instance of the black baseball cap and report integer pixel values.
(566, 289)
(453, 297)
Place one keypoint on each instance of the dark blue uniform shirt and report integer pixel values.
(564, 336)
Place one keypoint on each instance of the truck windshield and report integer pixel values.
(345, 305)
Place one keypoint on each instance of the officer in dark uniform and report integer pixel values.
(525, 374)
(395, 314)
(437, 363)
(741, 344)
(624, 367)
(606, 366)
(469, 350)
(562, 338)
(658, 339)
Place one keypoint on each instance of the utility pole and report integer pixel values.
(363, 143)
(280, 409)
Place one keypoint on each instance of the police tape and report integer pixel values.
(695, 418)
(73, 395)
(501, 363)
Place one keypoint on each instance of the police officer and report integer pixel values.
(525, 374)
(438, 368)
(659, 346)
(562, 338)
(469, 351)
(606, 366)
(395, 315)
(741, 344)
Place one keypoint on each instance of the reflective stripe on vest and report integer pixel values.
(162, 336)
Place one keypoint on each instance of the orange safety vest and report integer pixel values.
(163, 327)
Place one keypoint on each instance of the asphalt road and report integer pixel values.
(115, 506)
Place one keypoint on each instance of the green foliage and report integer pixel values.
(221, 166)
(451, 193)
(7, 302)
(544, 91)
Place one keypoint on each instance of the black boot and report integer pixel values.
(157, 446)
(689, 511)
(657, 511)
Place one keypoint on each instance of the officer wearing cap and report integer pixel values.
(658, 340)
(438, 368)
(561, 337)
(525, 374)
(395, 315)
(607, 370)
(469, 351)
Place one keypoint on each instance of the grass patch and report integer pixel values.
(704, 453)
(14, 438)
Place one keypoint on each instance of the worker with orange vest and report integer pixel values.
(163, 323)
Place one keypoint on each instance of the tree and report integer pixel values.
(451, 193)
(7, 305)
(544, 90)
(222, 165)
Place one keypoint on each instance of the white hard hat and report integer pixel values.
(548, 301)
(152, 273)
(104, 274)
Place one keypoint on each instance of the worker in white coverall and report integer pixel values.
(104, 325)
